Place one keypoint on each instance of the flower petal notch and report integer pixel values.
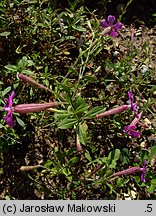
(112, 28)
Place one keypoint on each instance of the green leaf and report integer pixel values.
(11, 67)
(153, 151)
(113, 157)
(1, 126)
(20, 122)
(67, 123)
(6, 91)
(62, 115)
(79, 28)
(22, 62)
(28, 72)
(117, 154)
(46, 70)
(66, 88)
(153, 181)
(48, 164)
(82, 134)
(82, 108)
(119, 182)
(87, 156)
(47, 82)
(151, 189)
(66, 171)
(125, 156)
(93, 112)
(73, 161)
(79, 102)
(5, 34)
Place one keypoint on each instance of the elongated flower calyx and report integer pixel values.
(127, 171)
(32, 82)
(132, 170)
(34, 107)
(113, 111)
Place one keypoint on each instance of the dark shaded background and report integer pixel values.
(138, 12)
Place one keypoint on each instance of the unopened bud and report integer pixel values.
(32, 82)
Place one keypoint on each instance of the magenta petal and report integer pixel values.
(9, 101)
(9, 120)
(113, 33)
(117, 26)
(104, 24)
(126, 128)
(11, 97)
(130, 96)
(134, 133)
(143, 172)
(129, 127)
(135, 109)
(111, 20)
(143, 178)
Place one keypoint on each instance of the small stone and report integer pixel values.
(147, 122)
(143, 145)
(99, 137)
(154, 93)
(144, 69)
(116, 53)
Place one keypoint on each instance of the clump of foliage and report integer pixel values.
(72, 58)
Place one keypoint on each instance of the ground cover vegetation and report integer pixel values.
(77, 99)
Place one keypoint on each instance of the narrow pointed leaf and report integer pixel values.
(67, 123)
(94, 111)
(82, 134)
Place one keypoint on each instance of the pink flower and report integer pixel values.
(133, 105)
(130, 129)
(132, 170)
(8, 108)
(23, 108)
(121, 108)
(113, 27)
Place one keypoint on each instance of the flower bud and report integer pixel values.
(32, 82)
